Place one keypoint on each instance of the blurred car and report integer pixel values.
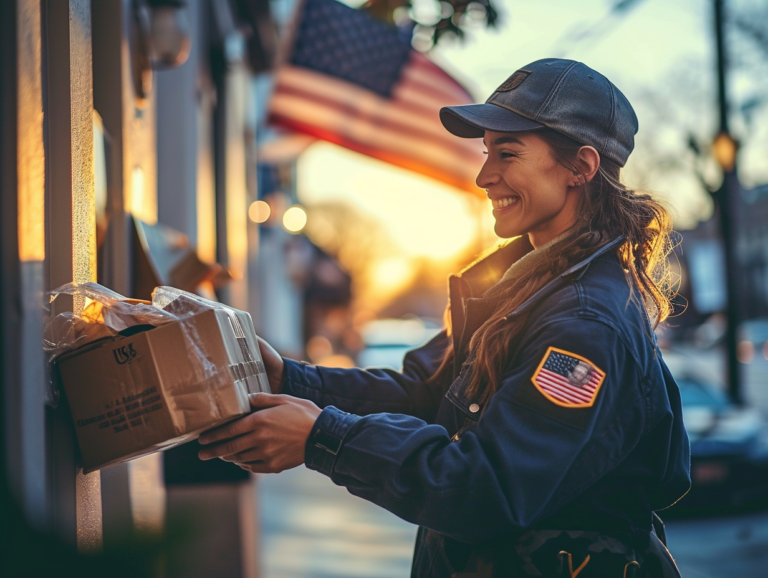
(753, 340)
(388, 340)
(729, 448)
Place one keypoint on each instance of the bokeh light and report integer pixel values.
(724, 151)
(745, 351)
(295, 219)
(259, 211)
(337, 360)
(318, 348)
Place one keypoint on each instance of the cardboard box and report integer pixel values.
(161, 386)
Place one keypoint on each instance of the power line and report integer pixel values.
(578, 34)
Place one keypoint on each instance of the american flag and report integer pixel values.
(568, 379)
(355, 81)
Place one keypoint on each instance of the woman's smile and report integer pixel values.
(500, 205)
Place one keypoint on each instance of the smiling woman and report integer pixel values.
(538, 433)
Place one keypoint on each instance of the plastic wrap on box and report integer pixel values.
(147, 376)
(182, 304)
(105, 315)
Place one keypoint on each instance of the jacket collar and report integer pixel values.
(466, 288)
(485, 272)
(472, 312)
(474, 280)
(576, 271)
(469, 310)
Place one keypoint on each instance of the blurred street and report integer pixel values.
(710, 365)
(314, 529)
(721, 547)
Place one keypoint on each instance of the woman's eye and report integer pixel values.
(503, 154)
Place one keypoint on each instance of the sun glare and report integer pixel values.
(390, 276)
(425, 217)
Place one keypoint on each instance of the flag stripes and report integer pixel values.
(567, 379)
(327, 92)
(560, 387)
(405, 132)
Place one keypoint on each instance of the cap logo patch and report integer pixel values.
(514, 81)
(567, 379)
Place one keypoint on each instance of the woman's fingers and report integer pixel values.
(265, 400)
(274, 365)
(258, 468)
(268, 466)
(274, 435)
(231, 446)
(257, 454)
(230, 430)
(247, 423)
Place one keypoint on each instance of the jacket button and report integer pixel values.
(474, 408)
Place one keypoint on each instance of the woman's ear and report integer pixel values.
(588, 160)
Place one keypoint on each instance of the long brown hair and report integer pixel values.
(609, 210)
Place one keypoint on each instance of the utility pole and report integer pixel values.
(728, 198)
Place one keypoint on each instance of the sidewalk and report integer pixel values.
(311, 528)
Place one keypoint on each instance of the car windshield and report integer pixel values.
(701, 395)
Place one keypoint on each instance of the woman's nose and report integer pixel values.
(487, 177)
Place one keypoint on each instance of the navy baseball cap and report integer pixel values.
(564, 95)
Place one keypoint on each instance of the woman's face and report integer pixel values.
(531, 192)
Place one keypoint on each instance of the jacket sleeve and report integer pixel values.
(524, 460)
(367, 391)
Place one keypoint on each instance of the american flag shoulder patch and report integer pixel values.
(567, 379)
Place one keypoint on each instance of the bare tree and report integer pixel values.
(434, 20)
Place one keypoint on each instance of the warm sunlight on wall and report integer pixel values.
(139, 205)
(426, 218)
(30, 147)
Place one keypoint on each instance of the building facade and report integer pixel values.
(118, 114)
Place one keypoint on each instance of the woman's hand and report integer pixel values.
(273, 364)
(269, 440)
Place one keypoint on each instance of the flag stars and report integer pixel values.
(560, 363)
(332, 40)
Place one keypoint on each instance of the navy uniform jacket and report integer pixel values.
(532, 460)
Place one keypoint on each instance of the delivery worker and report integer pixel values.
(538, 433)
